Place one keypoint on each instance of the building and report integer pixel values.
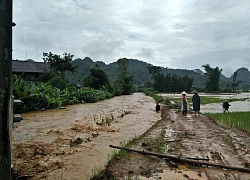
(29, 69)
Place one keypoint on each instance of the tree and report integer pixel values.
(159, 82)
(58, 64)
(97, 79)
(157, 77)
(213, 78)
(154, 71)
(172, 83)
(235, 82)
(186, 83)
(124, 82)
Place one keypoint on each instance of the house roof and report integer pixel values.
(29, 66)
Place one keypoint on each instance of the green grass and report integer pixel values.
(154, 95)
(122, 154)
(96, 171)
(233, 119)
(207, 100)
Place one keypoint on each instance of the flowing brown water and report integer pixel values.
(45, 146)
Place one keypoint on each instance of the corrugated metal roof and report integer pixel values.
(29, 66)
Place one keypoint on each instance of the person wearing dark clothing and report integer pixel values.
(225, 106)
(196, 103)
(157, 107)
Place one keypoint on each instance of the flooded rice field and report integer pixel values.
(217, 107)
(235, 119)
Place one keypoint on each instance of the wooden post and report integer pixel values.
(5, 88)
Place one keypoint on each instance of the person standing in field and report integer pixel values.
(225, 106)
(196, 103)
(184, 103)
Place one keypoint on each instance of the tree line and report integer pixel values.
(169, 82)
(53, 89)
(98, 79)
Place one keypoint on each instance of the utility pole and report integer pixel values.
(6, 99)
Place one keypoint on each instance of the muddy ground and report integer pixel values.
(73, 143)
(181, 136)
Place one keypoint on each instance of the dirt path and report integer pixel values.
(69, 143)
(189, 136)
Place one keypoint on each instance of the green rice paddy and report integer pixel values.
(233, 119)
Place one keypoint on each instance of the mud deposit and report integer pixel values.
(69, 143)
(181, 136)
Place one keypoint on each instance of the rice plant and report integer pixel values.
(233, 119)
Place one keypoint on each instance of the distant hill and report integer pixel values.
(139, 70)
(243, 75)
(82, 70)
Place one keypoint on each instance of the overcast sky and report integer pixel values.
(182, 34)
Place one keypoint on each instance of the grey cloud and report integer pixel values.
(102, 48)
(175, 34)
(228, 60)
(146, 53)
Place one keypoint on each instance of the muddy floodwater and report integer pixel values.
(72, 143)
(69, 143)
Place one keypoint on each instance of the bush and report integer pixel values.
(153, 94)
(92, 95)
(37, 96)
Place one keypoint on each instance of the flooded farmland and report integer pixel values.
(234, 120)
(217, 107)
(73, 142)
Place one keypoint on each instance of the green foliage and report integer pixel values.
(235, 82)
(213, 78)
(92, 95)
(55, 79)
(232, 119)
(159, 82)
(153, 94)
(59, 64)
(97, 79)
(142, 78)
(124, 83)
(37, 96)
(127, 85)
(169, 82)
(154, 71)
(46, 76)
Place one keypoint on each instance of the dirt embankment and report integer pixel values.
(69, 143)
(189, 136)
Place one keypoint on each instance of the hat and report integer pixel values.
(195, 91)
(184, 92)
